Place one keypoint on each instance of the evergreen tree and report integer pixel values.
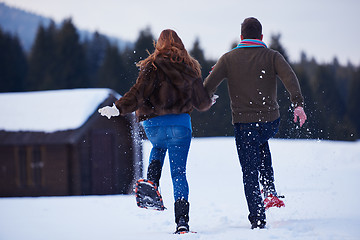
(354, 101)
(70, 71)
(217, 120)
(334, 120)
(312, 128)
(343, 77)
(13, 64)
(111, 73)
(276, 45)
(95, 50)
(198, 53)
(130, 69)
(42, 60)
(283, 96)
(59, 60)
(324, 89)
(143, 46)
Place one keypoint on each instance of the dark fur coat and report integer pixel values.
(170, 88)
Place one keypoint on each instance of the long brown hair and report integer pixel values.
(170, 45)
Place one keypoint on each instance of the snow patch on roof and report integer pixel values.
(50, 111)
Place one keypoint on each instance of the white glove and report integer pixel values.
(109, 111)
(213, 99)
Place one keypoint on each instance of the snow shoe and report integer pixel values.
(184, 232)
(273, 201)
(148, 196)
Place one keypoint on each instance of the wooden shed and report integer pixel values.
(55, 143)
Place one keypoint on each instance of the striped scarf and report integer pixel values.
(246, 43)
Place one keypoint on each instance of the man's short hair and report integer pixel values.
(251, 28)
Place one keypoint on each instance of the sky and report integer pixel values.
(323, 29)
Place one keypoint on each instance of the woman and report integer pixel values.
(168, 87)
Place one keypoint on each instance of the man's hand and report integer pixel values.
(109, 111)
(299, 112)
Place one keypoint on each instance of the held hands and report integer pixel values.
(299, 112)
(213, 99)
(109, 111)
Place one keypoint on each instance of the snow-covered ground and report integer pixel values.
(320, 180)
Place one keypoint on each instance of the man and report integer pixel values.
(251, 70)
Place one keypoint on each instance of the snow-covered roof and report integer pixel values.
(50, 111)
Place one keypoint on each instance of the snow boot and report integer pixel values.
(154, 172)
(182, 216)
(261, 224)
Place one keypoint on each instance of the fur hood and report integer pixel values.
(168, 88)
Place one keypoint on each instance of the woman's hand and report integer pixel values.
(109, 111)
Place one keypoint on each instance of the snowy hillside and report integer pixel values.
(319, 179)
(24, 24)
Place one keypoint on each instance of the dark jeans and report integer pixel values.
(255, 159)
(176, 140)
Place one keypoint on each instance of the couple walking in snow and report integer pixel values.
(169, 87)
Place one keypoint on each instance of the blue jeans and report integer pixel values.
(255, 159)
(176, 140)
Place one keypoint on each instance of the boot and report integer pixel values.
(258, 224)
(154, 172)
(182, 215)
(270, 191)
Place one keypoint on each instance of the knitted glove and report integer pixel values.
(299, 112)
